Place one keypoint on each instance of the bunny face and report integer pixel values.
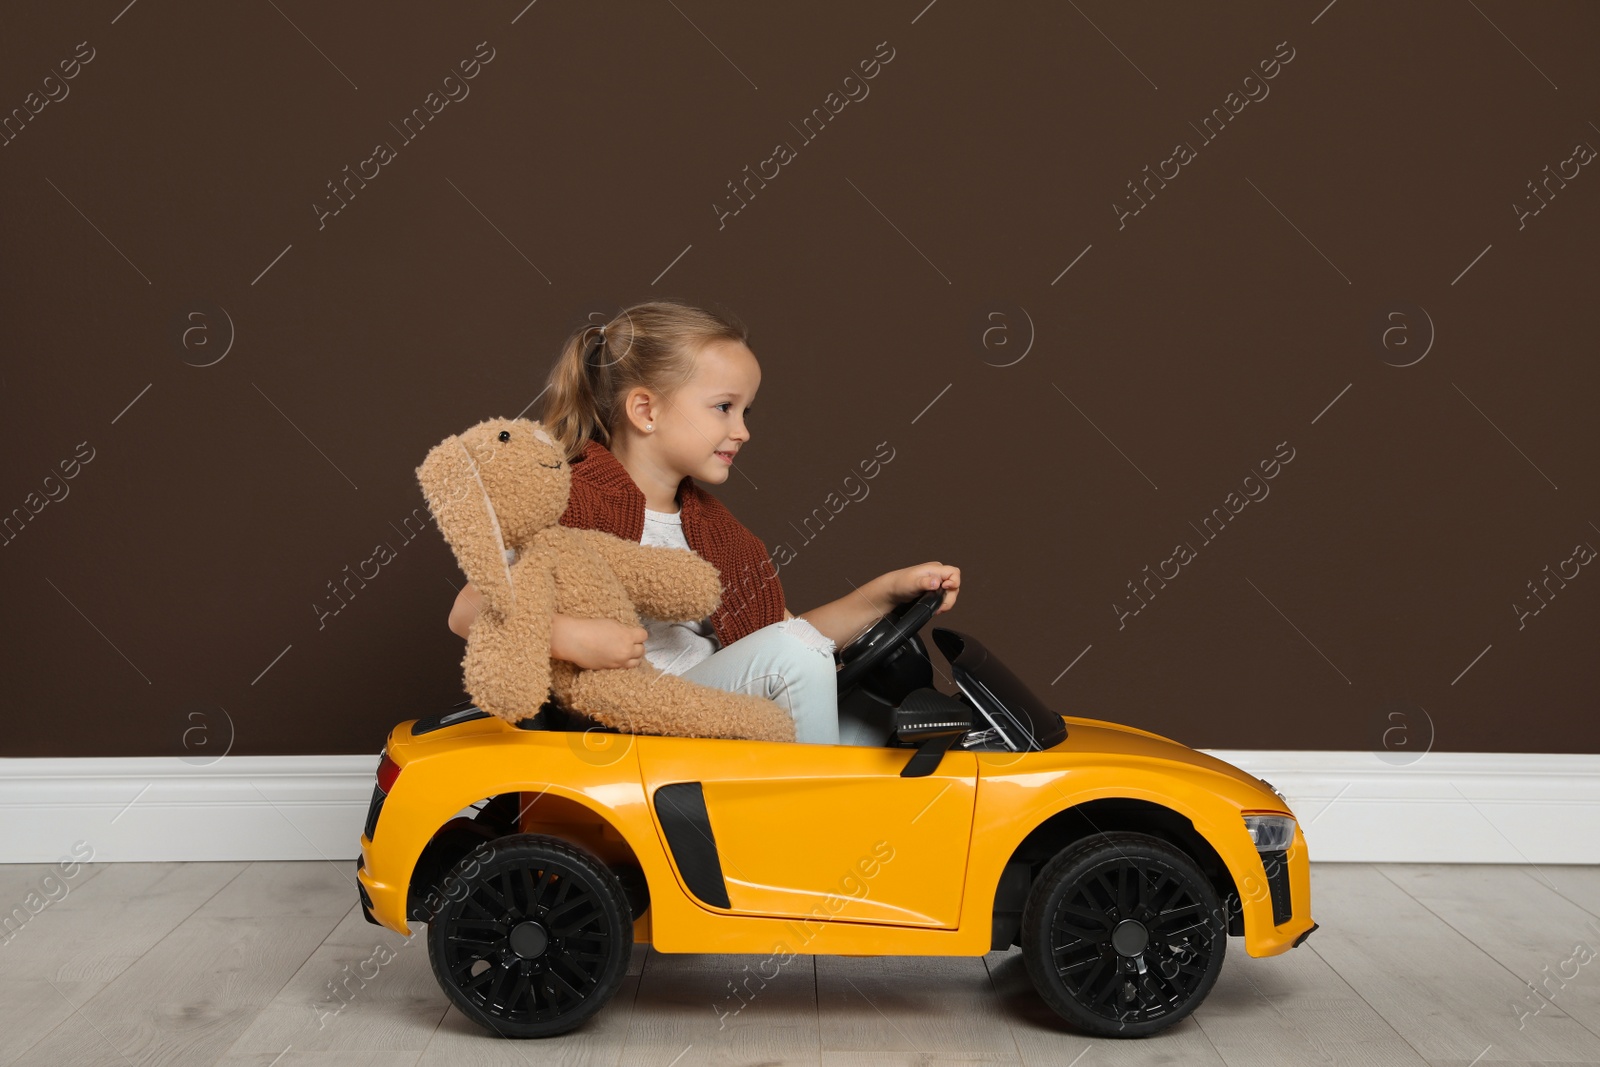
(523, 472)
(491, 489)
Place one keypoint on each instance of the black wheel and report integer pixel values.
(533, 937)
(1123, 935)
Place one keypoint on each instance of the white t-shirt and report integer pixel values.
(673, 647)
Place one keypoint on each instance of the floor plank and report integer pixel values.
(1541, 937)
(1442, 993)
(189, 997)
(102, 927)
(35, 1006)
(365, 988)
(271, 965)
(293, 1057)
(835, 1058)
(71, 950)
(1581, 885)
(723, 1009)
(18, 880)
(1293, 1010)
(900, 1007)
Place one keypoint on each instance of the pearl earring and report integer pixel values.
(650, 426)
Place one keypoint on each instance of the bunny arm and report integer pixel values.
(507, 667)
(672, 584)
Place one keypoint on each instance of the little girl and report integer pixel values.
(644, 406)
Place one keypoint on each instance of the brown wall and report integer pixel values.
(1053, 431)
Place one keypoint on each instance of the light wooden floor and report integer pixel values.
(202, 963)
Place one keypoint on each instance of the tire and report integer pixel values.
(533, 937)
(1123, 935)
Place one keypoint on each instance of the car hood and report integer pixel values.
(1097, 737)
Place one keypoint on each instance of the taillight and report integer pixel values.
(388, 773)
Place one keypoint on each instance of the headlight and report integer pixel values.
(1271, 833)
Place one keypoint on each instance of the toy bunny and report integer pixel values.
(497, 492)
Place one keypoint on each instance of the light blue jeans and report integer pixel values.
(791, 663)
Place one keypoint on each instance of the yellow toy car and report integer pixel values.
(1118, 860)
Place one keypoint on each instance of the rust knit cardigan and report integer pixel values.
(604, 497)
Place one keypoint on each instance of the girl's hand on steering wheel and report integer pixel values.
(911, 582)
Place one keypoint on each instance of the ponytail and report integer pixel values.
(651, 345)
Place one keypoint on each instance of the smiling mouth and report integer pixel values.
(726, 455)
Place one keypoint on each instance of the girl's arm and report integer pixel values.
(845, 619)
(468, 603)
(571, 638)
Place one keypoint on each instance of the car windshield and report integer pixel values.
(1020, 717)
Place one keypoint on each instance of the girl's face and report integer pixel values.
(700, 426)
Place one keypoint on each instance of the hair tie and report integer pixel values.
(590, 350)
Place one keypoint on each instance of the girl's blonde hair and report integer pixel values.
(650, 345)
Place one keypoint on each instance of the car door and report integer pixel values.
(829, 832)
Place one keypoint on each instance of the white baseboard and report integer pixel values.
(1447, 807)
(149, 808)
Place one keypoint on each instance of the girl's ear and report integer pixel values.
(465, 516)
(644, 401)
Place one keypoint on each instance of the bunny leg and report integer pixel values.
(505, 669)
(645, 700)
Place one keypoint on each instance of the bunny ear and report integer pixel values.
(465, 515)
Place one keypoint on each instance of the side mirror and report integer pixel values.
(932, 722)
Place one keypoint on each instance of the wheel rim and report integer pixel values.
(527, 944)
(1131, 940)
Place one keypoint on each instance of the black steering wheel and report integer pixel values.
(898, 626)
